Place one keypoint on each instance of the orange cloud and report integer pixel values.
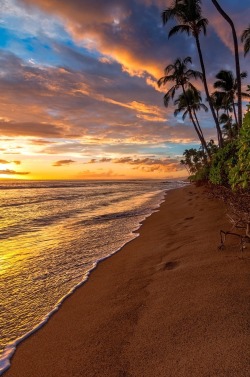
(63, 162)
(109, 174)
(9, 162)
(112, 34)
(12, 172)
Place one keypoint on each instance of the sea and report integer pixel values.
(52, 234)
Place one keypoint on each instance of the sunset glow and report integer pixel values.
(79, 94)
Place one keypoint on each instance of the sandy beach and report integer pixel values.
(169, 304)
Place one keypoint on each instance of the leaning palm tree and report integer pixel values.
(236, 55)
(195, 104)
(188, 15)
(227, 84)
(245, 38)
(180, 75)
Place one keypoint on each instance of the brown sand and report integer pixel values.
(169, 304)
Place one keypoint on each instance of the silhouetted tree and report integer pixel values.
(236, 55)
(180, 75)
(188, 15)
(227, 83)
(195, 104)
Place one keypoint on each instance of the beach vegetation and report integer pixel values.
(223, 160)
(225, 163)
(239, 173)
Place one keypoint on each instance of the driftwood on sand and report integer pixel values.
(238, 204)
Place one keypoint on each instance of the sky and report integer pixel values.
(78, 87)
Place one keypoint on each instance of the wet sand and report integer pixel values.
(169, 304)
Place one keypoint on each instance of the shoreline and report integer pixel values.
(10, 349)
(132, 318)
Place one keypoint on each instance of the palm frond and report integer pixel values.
(204, 107)
(167, 14)
(245, 34)
(179, 29)
(173, 91)
(195, 74)
(245, 95)
(185, 114)
(187, 60)
(160, 81)
(177, 112)
(245, 38)
(202, 25)
(190, 86)
(246, 46)
(243, 75)
(169, 95)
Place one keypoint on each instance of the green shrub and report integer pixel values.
(239, 173)
(222, 161)
(202, 175)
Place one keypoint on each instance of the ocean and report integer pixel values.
(52, 234)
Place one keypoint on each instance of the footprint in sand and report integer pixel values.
(170, 265)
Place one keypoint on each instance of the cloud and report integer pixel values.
(150, 165)
(12, 172)
(105, 159)
(9, 162)
(63, 162)
(30, 129)
(40, 142)
(147, 164)
(108, 174)
(126, 31)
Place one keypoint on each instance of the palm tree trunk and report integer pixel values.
(235, 115)
(237, 60)
(199, 127)
(219, 133)
(198, 123)
(200, 135)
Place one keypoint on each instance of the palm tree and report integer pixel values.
(195, 104)
(227, 83)
(236, 55)
(230, 129)
(180, 74)
(188, 14)
(245, 38)
(218, 104)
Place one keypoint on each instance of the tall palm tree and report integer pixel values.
(236, 56)
(245, 38)
(195, 104)
(180, 75)
(188, 15)
(227, 83)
